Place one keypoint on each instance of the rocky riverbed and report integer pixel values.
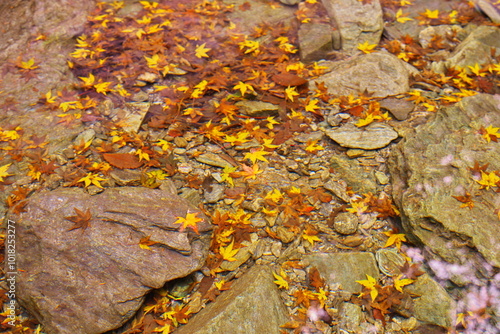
(236, 166)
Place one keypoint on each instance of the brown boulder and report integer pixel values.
(93, 280)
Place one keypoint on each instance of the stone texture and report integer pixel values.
(357, 21)
(344, 268)
(371, 137)
(475, 49)
(252, 305)
(315, 41)
(399, 108)
(23, 20)
(378, 73)
(357, 177)
(389, 261)
(345, 223)
(260, 12)
(213, 159)
(254, 108)
(93, 280)
(433, 306)
(490, 8)
(432, 164)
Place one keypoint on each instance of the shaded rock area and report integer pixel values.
(477, 48)
(59, 21)
(316, 41)
(344, 268)
(378, 73)
(69, 275)
(433, 304)
(436, 162)
(358, 21)
(253, 305)
(371, 137)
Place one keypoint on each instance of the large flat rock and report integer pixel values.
(433, 163)
(252, 305)
(93, 280)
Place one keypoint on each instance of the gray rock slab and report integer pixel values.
(357, 21)
(344, 268)
(315, 41)
(371, 137)
(432, 164)
(475, 49)
(357, 177)
(252, 305)
(433, 306)
(378, 73)
(213, 159)
(93, 280)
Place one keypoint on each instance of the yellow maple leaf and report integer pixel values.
(271, 122)
(371, 284)
(401, 18)
(313, 147)
(290, 93)
(255, 155)
(281, 280)
(488, 180)
(91, 178)
(400, 283)
(476, 69)
(367, 47)
(28, 65)
(312, 105)
(274, 195)
(3, 172)
(430, 14)
(88, 82)
(201, 51)
(250, 46)
(268, 143)
(153, 61)
(102, 87)
(357, 207)
(310, 235)
(250, 172)
(394, 239)
(227, 175)
(490, 133)
(228, 252)
(144, 243)
(191, 220)
(239, 139)
(244, 87)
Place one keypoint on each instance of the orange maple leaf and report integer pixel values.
(191, 220)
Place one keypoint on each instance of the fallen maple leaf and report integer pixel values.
(281, 280)
(255, 155)
(371, 284)
(201, 51)
(228, 252)
(367, 47)
(82, 219)
(490, 133)
(144, 243)
(3, 172)
(189, 221)
(400, 283)
(394, 239)
(488, 180)
(92, 179)
(310, 235)
(466, 200)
